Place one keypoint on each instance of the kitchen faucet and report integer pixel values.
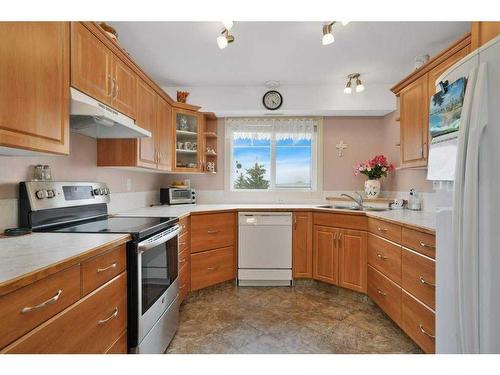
(358, 200)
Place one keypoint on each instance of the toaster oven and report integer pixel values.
(174, 196)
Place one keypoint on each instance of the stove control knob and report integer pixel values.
(101, 191)
(51, 193)
(97, 191)
(106, 191)
(41, 194)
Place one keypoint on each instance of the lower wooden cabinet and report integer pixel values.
(212, 267)
(325, 254)
(418, 321)
(352, 259)
(212, 231)
(302, 259)
(91, 325)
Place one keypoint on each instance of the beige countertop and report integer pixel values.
(25, 259)
(425, 220)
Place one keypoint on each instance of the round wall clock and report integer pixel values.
(272, 100)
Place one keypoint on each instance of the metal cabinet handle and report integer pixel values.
(116, 89)
(295, 222)
(50, 301)
(212, 268)
(423, 281)
(182, 260)
(114, 315)
(182, 243)
(425, 332)
(339, 240)
(382, 257)
(381, 293)
(182, 286)
(213, 231)
(335, 239)
(382, 229)
(112, 86)
(99, 270)
(428, 246)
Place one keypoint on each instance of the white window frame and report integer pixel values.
(316, 168)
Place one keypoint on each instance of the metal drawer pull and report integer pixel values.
(425, 245)
(380, 256)
(213, 231)
(99, 270)
(182, 260)
(423, 281)
(50, 301)
(114, 315)
(380, 292)
(182, 286)
(212, 268)
(425, 332)
(382, 229)
(182, 243)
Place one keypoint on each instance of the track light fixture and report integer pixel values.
(357, 81)
(224, 39)
(328, 34)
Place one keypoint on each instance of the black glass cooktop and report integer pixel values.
(136, 226)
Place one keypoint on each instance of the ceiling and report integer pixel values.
(186, 53)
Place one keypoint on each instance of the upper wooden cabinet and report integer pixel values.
(414, 94)
(146, 119)
(188, 132)
(482, 32)
(164, 135)
(34, 98)
(302, 245)
(96, 71)
(414, 118)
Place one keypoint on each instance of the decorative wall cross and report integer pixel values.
(340, 148)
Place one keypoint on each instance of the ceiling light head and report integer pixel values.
(228, 25)
(224, 39)
(328, 34)
(348, 89)
(359, 86)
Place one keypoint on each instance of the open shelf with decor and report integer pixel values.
(210, 143)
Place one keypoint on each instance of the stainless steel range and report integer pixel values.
(152, 255)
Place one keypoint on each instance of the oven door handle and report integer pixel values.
(148, 244)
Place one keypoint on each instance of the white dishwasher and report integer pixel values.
(265, 248)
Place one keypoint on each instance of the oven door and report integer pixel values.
(157, 271)
(180, 196)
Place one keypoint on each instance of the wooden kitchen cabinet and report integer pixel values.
(325, 254)
(302, 245)
(34, 99)
(352, 259)
(146, 119)
(124, 88)
(211, 231)
(414, 120)
(188, 135)
(212, 267)
(164, 144)
(482, 32)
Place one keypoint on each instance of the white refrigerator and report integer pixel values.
(468, 223)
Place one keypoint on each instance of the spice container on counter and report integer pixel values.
(38, 173)
(47, 173)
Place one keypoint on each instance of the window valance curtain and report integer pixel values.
(258, 128)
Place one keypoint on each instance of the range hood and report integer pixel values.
(94, 119)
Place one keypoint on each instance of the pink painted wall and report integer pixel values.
(80, 165)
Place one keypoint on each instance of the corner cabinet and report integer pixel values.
(34, 99)
(188, 138)
(414, 93)
(483, 32)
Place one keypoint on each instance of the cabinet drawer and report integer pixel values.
(385, 293)
(184, 281)
(418, 322)
(184, 224)
(184, 257)
(91, 325)
(183, 242)
(212, 267)
(421, 242)
(419, 277)
(340, 221)
(385, 257)
(120, 346)
(102, 268)
(57, 291)
(384, 229)
(211, 231)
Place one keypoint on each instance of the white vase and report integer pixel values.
(372, 188)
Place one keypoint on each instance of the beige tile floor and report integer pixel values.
(307, 318)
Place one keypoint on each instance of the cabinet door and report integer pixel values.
(353, 260)
(90, 64)
(441, 68)
(165, 140)
(325, 254)
(146, 119)
(187, 132)
(302, 245)
(124, 95)
(414, 101)
(34, 95)
(482, 32)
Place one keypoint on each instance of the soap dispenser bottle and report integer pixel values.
(414, 201)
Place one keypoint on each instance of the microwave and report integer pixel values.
(173, 196)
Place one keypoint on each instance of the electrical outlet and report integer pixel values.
(129, 184)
